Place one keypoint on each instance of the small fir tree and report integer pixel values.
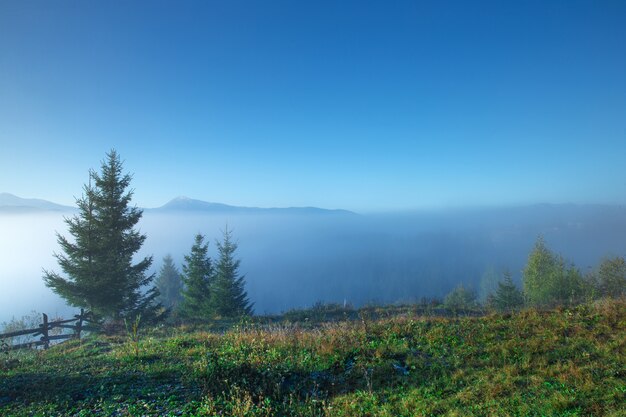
(488, 283)
(98, 262)
(197, 279)
(229, 296)
(169, 283)
(507, 296)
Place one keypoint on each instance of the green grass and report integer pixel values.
(567, 362)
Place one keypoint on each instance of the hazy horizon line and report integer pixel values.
(373, 211)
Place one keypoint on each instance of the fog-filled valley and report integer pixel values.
(295, 258)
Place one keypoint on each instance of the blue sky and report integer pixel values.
(361, 105)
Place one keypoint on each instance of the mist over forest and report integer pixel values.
(293, 260)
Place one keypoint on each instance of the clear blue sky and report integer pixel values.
(359, 105)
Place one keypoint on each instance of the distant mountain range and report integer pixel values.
(10, 203)
(537, 213)
(188, 204)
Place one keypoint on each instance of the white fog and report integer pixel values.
(296, 260)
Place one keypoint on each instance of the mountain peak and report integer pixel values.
(186, 203)
(183, 203)
(10, 203)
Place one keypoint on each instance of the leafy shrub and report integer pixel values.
(548, 281)
(460, 299)
(610, 278)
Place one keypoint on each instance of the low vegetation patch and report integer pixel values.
(564, 362)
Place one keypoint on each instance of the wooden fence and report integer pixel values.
(79, 323)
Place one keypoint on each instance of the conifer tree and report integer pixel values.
(197, 280)
(98, 261)
(488, 283)
(169, 284)
(229, 295)
(507, 296)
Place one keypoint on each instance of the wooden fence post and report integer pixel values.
(79, 325)
(44, 332)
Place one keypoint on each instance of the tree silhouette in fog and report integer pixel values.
(229, 295)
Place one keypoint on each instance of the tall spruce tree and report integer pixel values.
(197, 280)
(169, 284)
(229, 295)
(98, 262)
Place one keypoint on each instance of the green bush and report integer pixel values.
(548, 281)
(610, 279)
(460, 299)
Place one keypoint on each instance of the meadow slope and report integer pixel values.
(565, 362)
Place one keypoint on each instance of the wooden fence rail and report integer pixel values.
(44, 328)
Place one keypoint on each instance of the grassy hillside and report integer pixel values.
(558, 363)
